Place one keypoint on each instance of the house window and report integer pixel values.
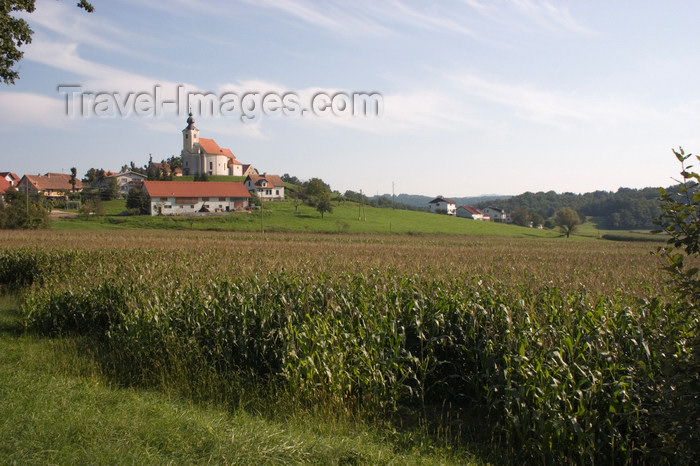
(268, 192)
(277, 192)
(211, 165)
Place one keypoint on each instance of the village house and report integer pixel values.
(125, 180)
(443, 205)
(267, 187)
(497, 215)
(190, 197)
(51, 185)
(11, 178)
(204, 156)
(472, 213)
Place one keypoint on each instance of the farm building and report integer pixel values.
(51, 185)
(472, 213)
(190, 197)
(443, 205)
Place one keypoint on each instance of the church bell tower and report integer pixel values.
(190, 137)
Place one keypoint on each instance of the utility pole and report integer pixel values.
(393, 196)
(359, 207)
(262, 230)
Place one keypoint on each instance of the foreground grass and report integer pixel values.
(56, 408)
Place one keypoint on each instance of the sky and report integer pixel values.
(470, 97)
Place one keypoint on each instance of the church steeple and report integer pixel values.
(190, 137)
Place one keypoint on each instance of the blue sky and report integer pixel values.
(477, 96)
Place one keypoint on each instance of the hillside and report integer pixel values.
(347, 217)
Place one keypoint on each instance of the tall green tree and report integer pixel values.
(567, 220)
(73, 178)
(15, 32)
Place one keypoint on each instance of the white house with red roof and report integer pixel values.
(204, 156)
(267, 187)
(473, 213)
(190, 197)
(443, 205)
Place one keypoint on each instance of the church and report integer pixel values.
(204, 156)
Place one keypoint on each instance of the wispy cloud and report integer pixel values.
(559, 109)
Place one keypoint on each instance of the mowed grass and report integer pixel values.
(347, 217)
(57, 408)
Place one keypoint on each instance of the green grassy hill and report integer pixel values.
(347, 217)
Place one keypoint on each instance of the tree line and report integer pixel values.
(625, 208)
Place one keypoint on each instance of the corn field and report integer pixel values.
(547, 350)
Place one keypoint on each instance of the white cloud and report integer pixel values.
(27, 108)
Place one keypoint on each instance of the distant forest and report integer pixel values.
(626, 208)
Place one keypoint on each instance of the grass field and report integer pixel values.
(284, 217)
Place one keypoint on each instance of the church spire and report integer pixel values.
(190, 121)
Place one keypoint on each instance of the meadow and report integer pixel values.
(519, 348)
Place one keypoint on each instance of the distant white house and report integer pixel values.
(128, 179)
(472, 213)
(267, 187)
(443, 205)
(497, 215)
(189, 197)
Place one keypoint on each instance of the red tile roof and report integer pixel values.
(15, 178)
(473, 210)
(273, 180)
(53, 182)
(211, 147)
(195, 189)
(4, 185)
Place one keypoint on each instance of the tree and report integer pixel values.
(314, 190)
(17, 212)
(537, 220)
(139, 200)
(110, 189)
(323, 204)
(567, 220)
(73, 175)
(15, 33)
(521, 216)
(680, 219)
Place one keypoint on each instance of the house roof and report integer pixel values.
(14, 176)
(4, 185)
(53, 182)
(209, 146)
(472, 210)
(273, 180)
(195, 189)
(130, 172)
(441, 199)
